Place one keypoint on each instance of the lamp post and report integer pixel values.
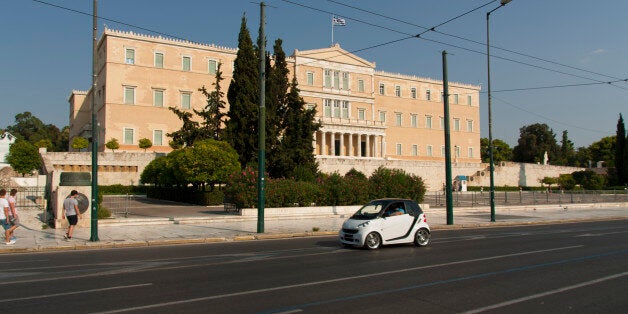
(490, 114)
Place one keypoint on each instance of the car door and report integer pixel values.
(396, 227)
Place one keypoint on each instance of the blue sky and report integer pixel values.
(46, 50)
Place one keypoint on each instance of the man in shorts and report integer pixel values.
(13, 218)
(4, 215)
(72, 212)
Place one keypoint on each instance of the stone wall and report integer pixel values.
(113, 167)
(433, 173)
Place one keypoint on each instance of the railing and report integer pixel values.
(29, 197)
(472, 199)
(119, 205)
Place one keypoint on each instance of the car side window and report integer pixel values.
(413, 208)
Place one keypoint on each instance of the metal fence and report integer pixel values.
(119, 205)
(30, 197)
(471, 199)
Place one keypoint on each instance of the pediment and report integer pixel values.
(334, 54)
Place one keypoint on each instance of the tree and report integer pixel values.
(534, 141)
(113, 144)
(243, 95)
(603, 150)
(589, 179)
(32, 129)
(23, 157)
(145, 144)
(189, 132)
(277, 86)
(567, 153)
(549, 181)
(501, 150)
(44, 143)
(80, 143)
(213, 115)
(620, 152)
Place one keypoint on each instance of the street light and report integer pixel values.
(490, 114)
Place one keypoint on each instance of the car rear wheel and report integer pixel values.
(422, 237)
(372, 241)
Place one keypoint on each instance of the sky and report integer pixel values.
(538, 47)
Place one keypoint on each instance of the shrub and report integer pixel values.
(396, 183)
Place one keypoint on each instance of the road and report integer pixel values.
(551, 268)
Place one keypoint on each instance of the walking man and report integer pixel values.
(4, 215)
(13, 218)
(72, 212)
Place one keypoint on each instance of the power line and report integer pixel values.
(554, 86)
(472, 41)
(549, 119)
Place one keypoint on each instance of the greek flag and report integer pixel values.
(338, 21)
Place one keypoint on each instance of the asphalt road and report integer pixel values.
(533, 269)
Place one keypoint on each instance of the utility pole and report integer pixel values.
(94, 212)
(448, 188)
(262, 124)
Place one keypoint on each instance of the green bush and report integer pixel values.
(119, 189)
(103, 213)
(396, 183)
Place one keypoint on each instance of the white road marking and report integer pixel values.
(540, 295)
(313, 283)
(74, 292)
(598, 234)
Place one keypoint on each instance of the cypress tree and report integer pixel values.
(620, 152)
(243, 95)
(277, 86)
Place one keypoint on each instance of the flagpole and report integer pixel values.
(332, 30)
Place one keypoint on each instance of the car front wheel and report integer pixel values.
(422, 237)
(372, 241)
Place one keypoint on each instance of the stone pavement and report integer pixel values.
(213, 225)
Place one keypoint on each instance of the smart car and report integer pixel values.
(386, 221)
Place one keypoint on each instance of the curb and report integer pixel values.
(262, 237)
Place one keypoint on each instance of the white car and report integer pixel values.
(386, 221)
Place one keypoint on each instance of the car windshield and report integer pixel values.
(368, 211)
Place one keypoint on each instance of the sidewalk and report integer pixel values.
(216, 226)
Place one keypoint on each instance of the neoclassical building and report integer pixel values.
(366, 114)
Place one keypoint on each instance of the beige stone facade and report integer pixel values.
(365, 113)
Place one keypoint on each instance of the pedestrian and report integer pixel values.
(4, 215)
(72, 212)
(13, 218)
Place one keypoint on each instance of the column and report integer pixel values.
(342, 145)
(332, 143)
(323, 140)
(350, 151)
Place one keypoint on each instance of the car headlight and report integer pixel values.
(364, 224)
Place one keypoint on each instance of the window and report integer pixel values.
(345, 81)
(158, 137)
(469, 100)
(130, 56)
(381, 88)
(212, 66)
(428, 151)
(413, 121)
(327, 107)
(442, 150)
(310, 78)
(186, 63)
(129, 95)
(470, 152)
(456, 99)
(337, 108)
(186, 100)
(327, 78)
(361, 114)
(398, 149)
(361, 86)
(428, 122)
(457, 151)
(159, 60)
(382, 116)
(442, 123)
(398, 119)
(428, 95)
(415, 150)
(158, 97)
(469, 125)
(397, 90)
(336, 79)
(128, 136)
(345, 109)
(456, 124)
(413, 92)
